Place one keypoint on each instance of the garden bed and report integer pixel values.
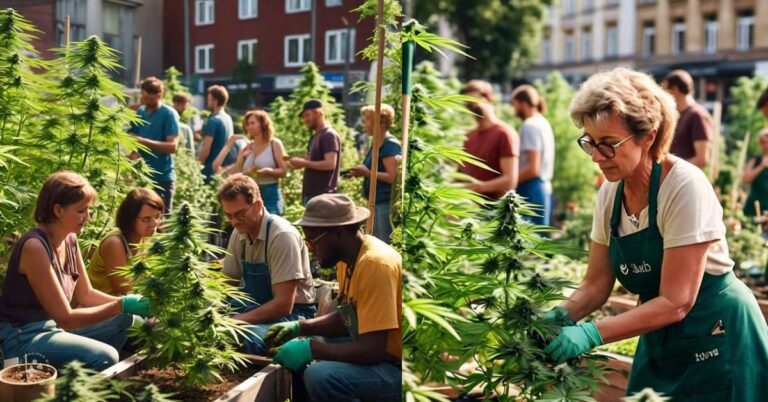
(259, 382)
(617, 373)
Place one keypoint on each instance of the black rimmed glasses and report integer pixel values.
(588, 145)
(311, 242)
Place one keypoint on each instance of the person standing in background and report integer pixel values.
(694, 131)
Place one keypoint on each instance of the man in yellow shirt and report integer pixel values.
(370, 310)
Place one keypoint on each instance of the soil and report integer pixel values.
(165, 379)
(28, 375)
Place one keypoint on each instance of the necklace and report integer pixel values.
(634, 221)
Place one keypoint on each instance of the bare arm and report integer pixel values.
(533, 169)
(702, 153)
(596, 286)
(36, 265)
(369, 348)
(206, 149)
(167, 147)
(85, 294)
(328, 162)
(681, 276)
(753, 169)
(507, 181)
(280, 306)
(280, 170)
(224, 151)
(325, 325)
(113, 254)
(388, 176)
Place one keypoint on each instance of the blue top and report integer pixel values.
(162, 123)
(220, 127)
(389, 148)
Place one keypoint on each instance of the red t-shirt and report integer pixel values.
(695, 124)
(490, 145)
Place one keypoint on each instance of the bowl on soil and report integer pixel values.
(27, 382)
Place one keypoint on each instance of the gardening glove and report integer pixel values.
(294, 355)
(559, 316)
(281, 332)
(135, 304)
(573, 341)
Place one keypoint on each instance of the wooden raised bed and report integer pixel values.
(271, 383)
(617, 376)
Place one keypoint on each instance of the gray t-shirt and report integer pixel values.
(288, 258)
(536, 135)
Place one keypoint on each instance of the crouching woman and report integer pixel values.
(48, 309)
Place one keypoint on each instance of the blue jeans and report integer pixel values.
(96, 346)
(272, 198)
(254, 343)
(334, 381)
(534, 191)
(165, 190)
(382, 226)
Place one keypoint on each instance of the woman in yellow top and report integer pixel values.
(138, 218)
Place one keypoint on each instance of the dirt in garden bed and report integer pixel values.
(165, 379)
(30, 375)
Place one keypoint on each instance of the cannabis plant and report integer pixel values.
(189, 299)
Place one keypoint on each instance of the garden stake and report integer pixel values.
(377, 118)
(137, 72)
(739, 172)
(408, 50)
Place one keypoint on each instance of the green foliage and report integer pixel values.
(626, 347)
(189, 297)
(65, 114)
(243, 73)
(290, 128)
(744, 116)
(575, 173)
(746, 247)
(578, 227)
(502, 35)
(173, 86)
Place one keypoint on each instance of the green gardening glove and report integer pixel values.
(281, 332)
(559, 316)
(294, 355)
(135, 304)
(573, 341)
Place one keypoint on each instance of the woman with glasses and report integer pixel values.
(658, 229)
(138, 218)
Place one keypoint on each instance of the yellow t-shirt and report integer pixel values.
(96, 270)
(376, 290)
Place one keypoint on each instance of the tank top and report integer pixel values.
(18, 303)
(97, 272)
(266, 159)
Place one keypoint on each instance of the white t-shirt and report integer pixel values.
(536, 135)
(688, 213)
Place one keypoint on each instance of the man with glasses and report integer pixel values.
(369, 311)
(268, 258)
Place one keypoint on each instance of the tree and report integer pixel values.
(502, 35)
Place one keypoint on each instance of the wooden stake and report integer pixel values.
(714, 166)
(66, 32)
(377, 134)
(739, 172)
(137, 66)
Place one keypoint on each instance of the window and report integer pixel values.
(588, 5)
(332, 3)
(296, 6)
(337, 47)
(570, 6)
(204, 59)
(611, 41)
(546, 50)
(611, 3)
(246, 50)
(710, 34)
(678, 37)
(586, 45)
(248, 9)
(649, 39)
(204, 12)
(570, 52)
(75, 9)
(745, 30)
(296, 50)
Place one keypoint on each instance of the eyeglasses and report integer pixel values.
(239, 215)
(311, 242)
(608, 150)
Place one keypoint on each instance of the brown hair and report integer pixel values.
(219, 93)
(635, 98)
(763, 99)
(267, 129)
(152, 85)
(483, 87)
(180, 98)
(237, 184)
(528, 94)
(681, 80)
(63, 188)
(131, 207)
(387, 113)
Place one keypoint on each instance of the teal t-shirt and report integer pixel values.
(389, 148)
(163, 122)
(220, 127)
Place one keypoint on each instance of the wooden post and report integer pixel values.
(137, 66)
(377, 134)
(739, 172)
(714, 166)
(66, 32)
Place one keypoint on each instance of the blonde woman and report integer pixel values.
(658, 228)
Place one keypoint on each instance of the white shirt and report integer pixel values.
(688, 213)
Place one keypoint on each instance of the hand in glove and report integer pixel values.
(135, 304)
(294, 355)
(281, 332)
(559, 316)
(573, 341)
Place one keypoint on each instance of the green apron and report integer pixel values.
(758, 191)
(719, 352)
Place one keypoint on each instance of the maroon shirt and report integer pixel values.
(318, 182)
(490, 145)
(18, 303)
(695, 124)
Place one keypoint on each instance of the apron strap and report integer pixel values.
(266, 241)
(653, 195)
